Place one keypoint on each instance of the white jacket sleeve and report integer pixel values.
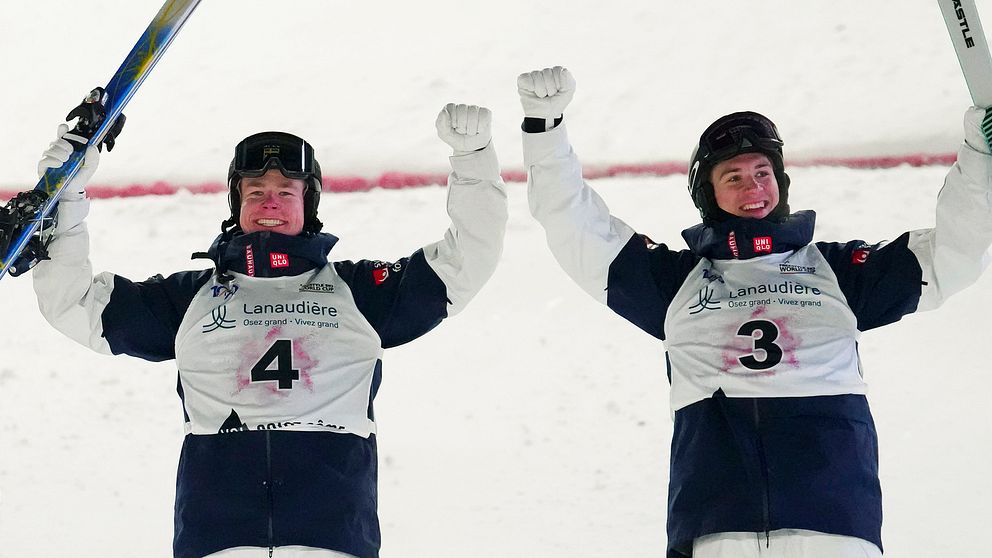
(69, 297)
(582, 235)
(954, 253)
(467, 255)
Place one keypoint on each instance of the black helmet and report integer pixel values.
(294, 158)
(728, 137)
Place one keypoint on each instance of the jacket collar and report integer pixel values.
(741, 238)
(267, 254)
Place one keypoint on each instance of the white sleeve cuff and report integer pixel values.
(476, 165)
(542, 145)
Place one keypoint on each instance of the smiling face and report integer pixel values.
(745, 185)
(272, 202)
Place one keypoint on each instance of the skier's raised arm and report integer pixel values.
(406, 298)
(629, 272)
(68, 295)
(954, 253)
(467, 255)
(581, 233)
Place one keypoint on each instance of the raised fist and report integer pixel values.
(545, 93)
(465, 128)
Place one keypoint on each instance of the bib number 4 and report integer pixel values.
(281, 355)
(762, 334)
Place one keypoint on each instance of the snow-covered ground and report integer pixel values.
(536, 423)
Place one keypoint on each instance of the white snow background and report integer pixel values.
(536, 423)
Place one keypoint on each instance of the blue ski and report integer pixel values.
(122, 86)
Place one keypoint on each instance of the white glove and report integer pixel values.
(545, 93)
(974, 135)
(58, 153)
(466, 128)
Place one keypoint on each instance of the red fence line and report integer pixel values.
(397, 180)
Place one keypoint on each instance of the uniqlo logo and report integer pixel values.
(380, 275)
(762, 244)
(250, 260)
(279, 260)
(860, 256)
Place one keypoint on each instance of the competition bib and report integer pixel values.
(772, 326)
(291, 353)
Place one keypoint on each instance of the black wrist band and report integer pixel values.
(538, 125)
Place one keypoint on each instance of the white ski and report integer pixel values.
(961, 18)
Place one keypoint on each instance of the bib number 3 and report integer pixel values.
(762, 345)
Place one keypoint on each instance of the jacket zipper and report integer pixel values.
(268, 487)
(765, 513)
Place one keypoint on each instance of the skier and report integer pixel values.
(774, 450)
(278, 349)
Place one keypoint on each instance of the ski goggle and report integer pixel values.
(738, 134)
(258, 153)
